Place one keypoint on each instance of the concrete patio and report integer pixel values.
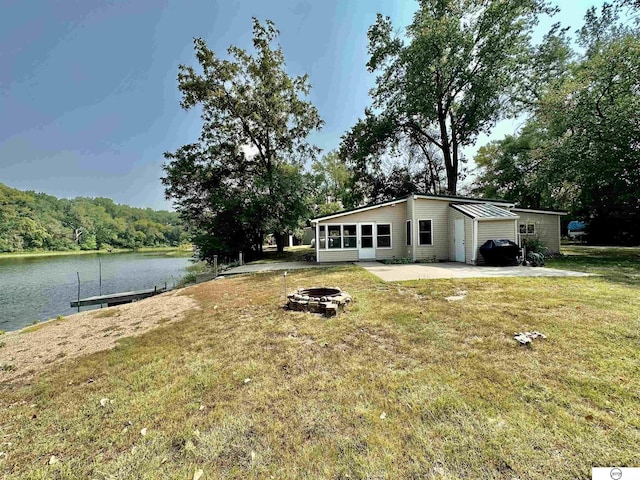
(417, 271)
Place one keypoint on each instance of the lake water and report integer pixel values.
(40, 288)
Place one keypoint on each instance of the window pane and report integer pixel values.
(335, 240)
(367, 242)
(366, 230)
(425, 238)
(409, 233)
(424, 232)
(349, 230)
(384, 241)
(531, 228)
(523, 228)
(349, 242)
(384, 229)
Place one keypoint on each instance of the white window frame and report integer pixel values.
(526, 228)
(328, 226)
(355, 235)
(419, 231)
(390, 247)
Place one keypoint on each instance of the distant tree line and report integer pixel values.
(36, 221)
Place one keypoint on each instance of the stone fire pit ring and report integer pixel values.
(327, 300)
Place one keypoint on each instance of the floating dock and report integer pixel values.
(118, 298)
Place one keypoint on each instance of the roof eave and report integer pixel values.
(534, 210)
(482, 219)
(466, 199)
(357, 210)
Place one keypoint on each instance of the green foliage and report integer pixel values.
(580, 149)
(436, 92)
(244, 177)
(397, 261)
(332, 184)
(36, 221)
(535, 245)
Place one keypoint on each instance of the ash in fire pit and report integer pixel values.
(325, 300)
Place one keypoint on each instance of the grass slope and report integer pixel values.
(405, 385)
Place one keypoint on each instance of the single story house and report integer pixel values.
(430, 228)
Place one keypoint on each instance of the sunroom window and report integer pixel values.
(322, 234)
(335, 237)
(349, 236)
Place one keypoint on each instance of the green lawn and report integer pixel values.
(616, 264)
(404, 385)
(290, 254)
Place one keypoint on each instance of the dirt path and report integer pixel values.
(28, 352)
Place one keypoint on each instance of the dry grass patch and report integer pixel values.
(405, 385)
(106, 313)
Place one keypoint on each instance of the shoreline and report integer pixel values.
(36, 348)
(59, 253)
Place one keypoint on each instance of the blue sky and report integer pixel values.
(88, 91)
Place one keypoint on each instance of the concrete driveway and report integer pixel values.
(417, 271)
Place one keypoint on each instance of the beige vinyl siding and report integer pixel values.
(468, 236)
(494, 230)
(395, 214)
(438, 212)
(337, 255)
(547, 228)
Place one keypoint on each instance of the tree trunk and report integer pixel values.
(450, 165)
(279, 237)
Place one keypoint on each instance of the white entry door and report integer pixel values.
(458, 239)
(366, 246)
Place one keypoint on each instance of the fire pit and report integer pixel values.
(325, 300)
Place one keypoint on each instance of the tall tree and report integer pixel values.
(592, 119)
(450, 80)
(230, 186)
(581, 146)
(332, 181)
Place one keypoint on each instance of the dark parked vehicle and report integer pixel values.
(500, 252)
